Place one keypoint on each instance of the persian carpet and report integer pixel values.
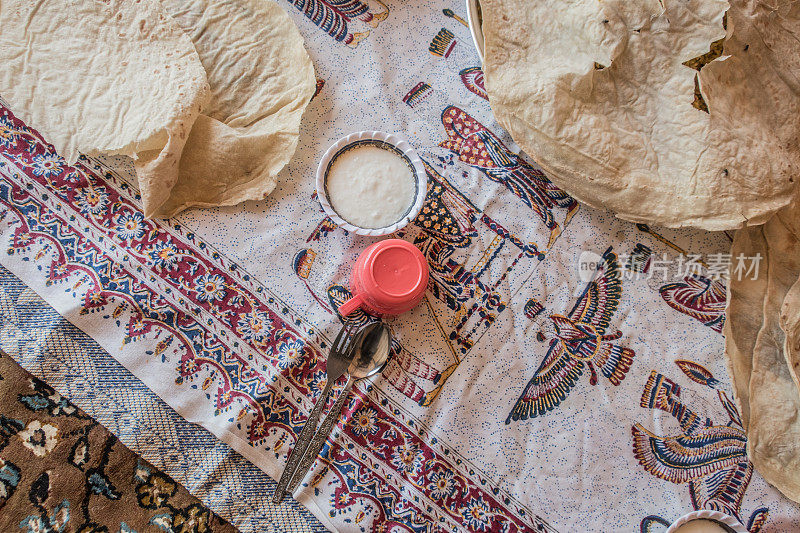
(61, 470)
(52, 349)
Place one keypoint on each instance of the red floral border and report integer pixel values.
(101, 212)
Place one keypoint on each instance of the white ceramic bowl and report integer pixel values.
(386, 141)
(705, 514)
(476, 25)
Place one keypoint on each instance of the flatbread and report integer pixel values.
(790, 324)
(261, 81)
(607, 98)
(113, 77)
(745, 302)
(773, 430)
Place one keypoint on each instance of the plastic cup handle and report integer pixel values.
(350, 305)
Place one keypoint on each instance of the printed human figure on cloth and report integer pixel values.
(487, 222)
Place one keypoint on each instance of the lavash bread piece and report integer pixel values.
(113, 77)
(598, 93)
(261, 80)
(790, 324)
(744, 305)
(772, 397)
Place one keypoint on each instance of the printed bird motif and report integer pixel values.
(699, 297)
(711, 458)
(580, 342)
(472, 78)
(694, 295)
(333, 16)
(475, 145)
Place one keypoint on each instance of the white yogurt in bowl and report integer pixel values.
(701, 526)
(706, 521)
(370, 187)
(371, 183)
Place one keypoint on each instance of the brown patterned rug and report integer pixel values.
(61, 471)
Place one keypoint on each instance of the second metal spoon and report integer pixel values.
(369, 358)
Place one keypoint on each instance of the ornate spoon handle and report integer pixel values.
(302, 444)
(321, 436)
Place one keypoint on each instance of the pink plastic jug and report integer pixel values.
(389, 278)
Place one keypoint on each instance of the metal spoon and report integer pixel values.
(339, 360)
(370, 356)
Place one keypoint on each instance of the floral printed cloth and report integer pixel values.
(62, 471)
(52, 349)
(564, 371)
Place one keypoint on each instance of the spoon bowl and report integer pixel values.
(371, 352)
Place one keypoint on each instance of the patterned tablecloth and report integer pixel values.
(564, 372)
